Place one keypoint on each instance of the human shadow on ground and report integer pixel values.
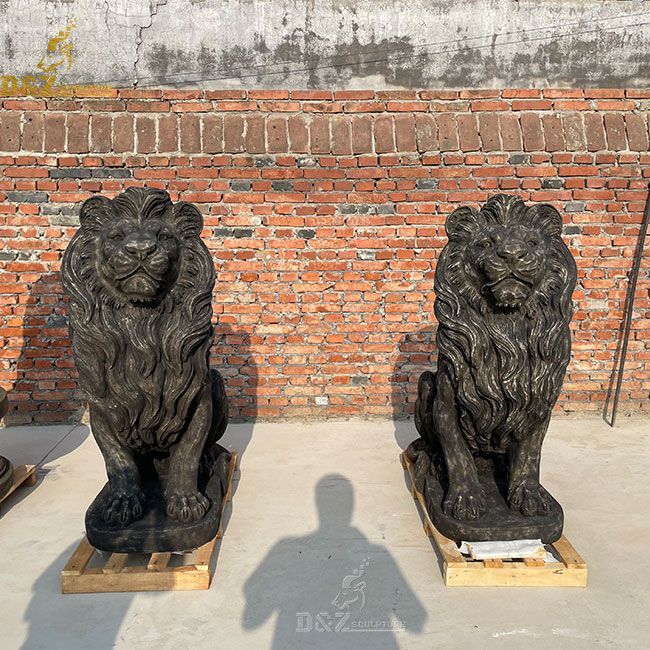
(416, 353)
(332, 588)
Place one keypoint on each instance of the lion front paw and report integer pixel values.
(465, 504)
(124, 507)
(187, 506)
(529, 500)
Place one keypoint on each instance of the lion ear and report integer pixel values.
(547, 218)
(188, 219)
(95, 211)
(461, 223)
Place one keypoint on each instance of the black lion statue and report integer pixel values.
(503, 303)
(139, 284)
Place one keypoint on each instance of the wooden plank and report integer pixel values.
(80, 558)
(568, 554)
(158, 561)
(546, 576)
(493, 563)
(115, 562)
(23, 475)
(135, 581)
(533, 561)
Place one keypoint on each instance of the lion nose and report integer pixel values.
(511, 252)
(140, 247)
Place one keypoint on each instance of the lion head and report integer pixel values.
(139, 282)
(503, 302)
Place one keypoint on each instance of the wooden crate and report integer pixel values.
(458, 571)
(23, 475)
(123, 572)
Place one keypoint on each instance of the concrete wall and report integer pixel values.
(337, 43)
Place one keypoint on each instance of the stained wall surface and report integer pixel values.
(340, 44)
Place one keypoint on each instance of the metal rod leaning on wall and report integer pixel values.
(627, 315)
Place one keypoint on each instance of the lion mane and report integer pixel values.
(527, 349)
(143, 365)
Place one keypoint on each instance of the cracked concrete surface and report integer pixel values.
(338, 44)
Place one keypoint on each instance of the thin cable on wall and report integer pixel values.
(265, 69)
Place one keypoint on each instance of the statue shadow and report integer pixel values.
(45, 389)
(72, 621)
(232, 357)
(332, 587)
(416, 353)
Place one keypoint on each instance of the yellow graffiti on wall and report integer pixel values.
(59, 53)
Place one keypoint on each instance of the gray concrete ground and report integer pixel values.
(321, 516)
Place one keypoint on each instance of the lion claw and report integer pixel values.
(529, 500)
(187, 507)
(466, 504)
(124, 508)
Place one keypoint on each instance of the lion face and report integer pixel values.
(508, 263)
(505, 258)
(139, 260)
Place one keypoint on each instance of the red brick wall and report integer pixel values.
(324, 212)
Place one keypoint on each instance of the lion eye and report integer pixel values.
(486, 244)
(532, 243)
(164, 236)
(117, 236)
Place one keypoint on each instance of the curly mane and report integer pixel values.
(529, 348)
(144, 366)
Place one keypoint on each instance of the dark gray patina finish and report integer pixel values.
(503, 303)
(139, 283)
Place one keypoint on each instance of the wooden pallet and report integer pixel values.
(123, 572)
(458, 571)
(23, 475)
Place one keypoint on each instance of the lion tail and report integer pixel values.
(424, 407)
(219, 406)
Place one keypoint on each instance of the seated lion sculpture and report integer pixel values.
(503, 303)
(139, 284)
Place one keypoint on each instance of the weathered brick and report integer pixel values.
(298, 134)
(510, 132)
(384, 134)
(426, 132)
(145, 129)
(101, 127)
(615, 131)
(32, 131)
(54, 132)
(637, 131)
(167, 133)
(447, 132)
(233, 133)
(341, 135)
(123, 133)
(531, 128)
(255, 133)
(595, 132)
(190, 128)
(405, 138)
(574, 132)
(276, 134)
(553, 135)
(362, 138)
(9, 131)
(319, 131)
(488, 126)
